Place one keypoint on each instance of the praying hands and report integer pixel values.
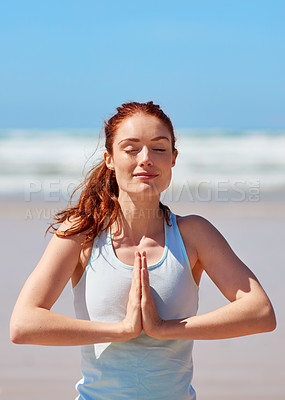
(141, 309)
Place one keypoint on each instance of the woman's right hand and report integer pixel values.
(132, 323)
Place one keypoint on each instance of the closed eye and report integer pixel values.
(131, 151)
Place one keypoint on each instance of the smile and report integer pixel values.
(145, 176)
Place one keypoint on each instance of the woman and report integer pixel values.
(135, 269)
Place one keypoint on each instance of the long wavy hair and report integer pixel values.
(98, 206)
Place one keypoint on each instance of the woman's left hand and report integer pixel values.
(151, 321)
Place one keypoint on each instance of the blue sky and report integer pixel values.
(209, 63)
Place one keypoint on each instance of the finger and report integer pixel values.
(143, 256)
(145, 274)
(145, 287)
(136, 278)
(137, 263)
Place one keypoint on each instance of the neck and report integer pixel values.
(139, 218)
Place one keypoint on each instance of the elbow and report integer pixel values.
(268, 318)
(15, 338)
(16, 334)
(271, 323)
(17, 331)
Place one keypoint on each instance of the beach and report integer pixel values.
(248, 368)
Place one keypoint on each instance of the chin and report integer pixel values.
(150, 190)
(144, 188)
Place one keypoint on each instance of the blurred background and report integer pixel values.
(216, 67)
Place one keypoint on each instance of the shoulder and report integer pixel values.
(200, 231)
(69, 223)
(193, 221)
(72, 247)
(67, 244)
(64, 231)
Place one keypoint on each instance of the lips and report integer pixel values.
(145, 175)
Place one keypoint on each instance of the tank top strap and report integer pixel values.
(176, 239)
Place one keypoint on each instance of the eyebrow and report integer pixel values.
(138, 140)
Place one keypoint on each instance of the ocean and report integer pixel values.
(212, 164)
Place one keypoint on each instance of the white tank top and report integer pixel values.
(143, 368)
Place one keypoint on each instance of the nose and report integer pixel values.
(144, 157)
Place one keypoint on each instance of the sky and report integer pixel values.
(208, 63)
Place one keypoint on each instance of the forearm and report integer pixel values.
(238, 318)
(44, 327)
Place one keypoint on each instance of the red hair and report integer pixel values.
(98, 206)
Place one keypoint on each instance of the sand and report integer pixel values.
(249, 368)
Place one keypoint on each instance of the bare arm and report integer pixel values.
(33, 322)
(249, 311)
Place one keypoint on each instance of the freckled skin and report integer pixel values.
(142, 144)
